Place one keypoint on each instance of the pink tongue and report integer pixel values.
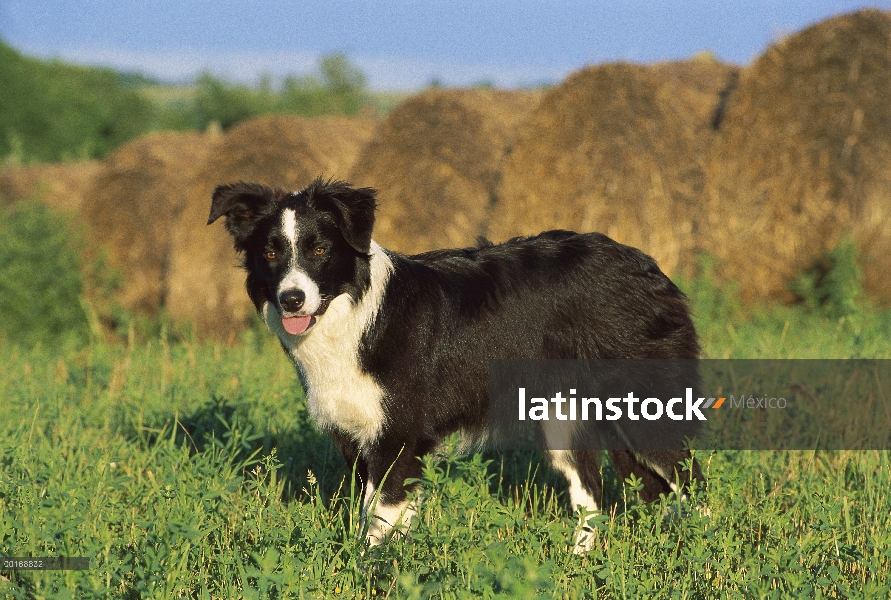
(296, 325)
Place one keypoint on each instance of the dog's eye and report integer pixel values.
(270, 254)
(319, 251)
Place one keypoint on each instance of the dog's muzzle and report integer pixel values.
(292, 302)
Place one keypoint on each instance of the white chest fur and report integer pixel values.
(338, 393)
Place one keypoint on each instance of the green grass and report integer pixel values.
(184, 469)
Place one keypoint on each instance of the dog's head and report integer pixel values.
(301, 249)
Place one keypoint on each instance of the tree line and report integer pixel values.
(53, 111)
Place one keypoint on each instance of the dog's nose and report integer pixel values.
(292, 300)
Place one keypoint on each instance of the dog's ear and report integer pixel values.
(353, 209)
(243, 204)
(357, 217)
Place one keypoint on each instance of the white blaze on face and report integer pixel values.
(289, 227)
(296, 278)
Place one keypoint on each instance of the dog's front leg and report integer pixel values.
(354, 460)
(387, 497)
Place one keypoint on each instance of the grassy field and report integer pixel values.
(184, 469)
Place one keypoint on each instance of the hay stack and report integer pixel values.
(803, 157)
(61, 186)
(696, 87)
(435, 161)
(132, 206)
(205, 286)
(609, 151)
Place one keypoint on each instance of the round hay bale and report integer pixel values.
(697, 87)
(605, 151)
(205, 287)
(803, 158)
(435, 161)
(132, 205)
(60, 186)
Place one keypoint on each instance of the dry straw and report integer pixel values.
(132, 207)
(435, 162)
(614, 149)
(61, 186)
(695, 88)
(803, 158)
(205, 285)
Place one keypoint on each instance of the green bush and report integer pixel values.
(834, 286)
(51, 111)
(41, 282)
(833, 318)
(227, 104)
(339, 89)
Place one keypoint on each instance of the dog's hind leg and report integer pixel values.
(582, 473)
(660, 471)
(626, 463)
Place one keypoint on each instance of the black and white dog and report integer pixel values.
(393, 351)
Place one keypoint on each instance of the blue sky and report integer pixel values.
(401, 44)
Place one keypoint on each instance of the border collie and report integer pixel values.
(393, 351)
